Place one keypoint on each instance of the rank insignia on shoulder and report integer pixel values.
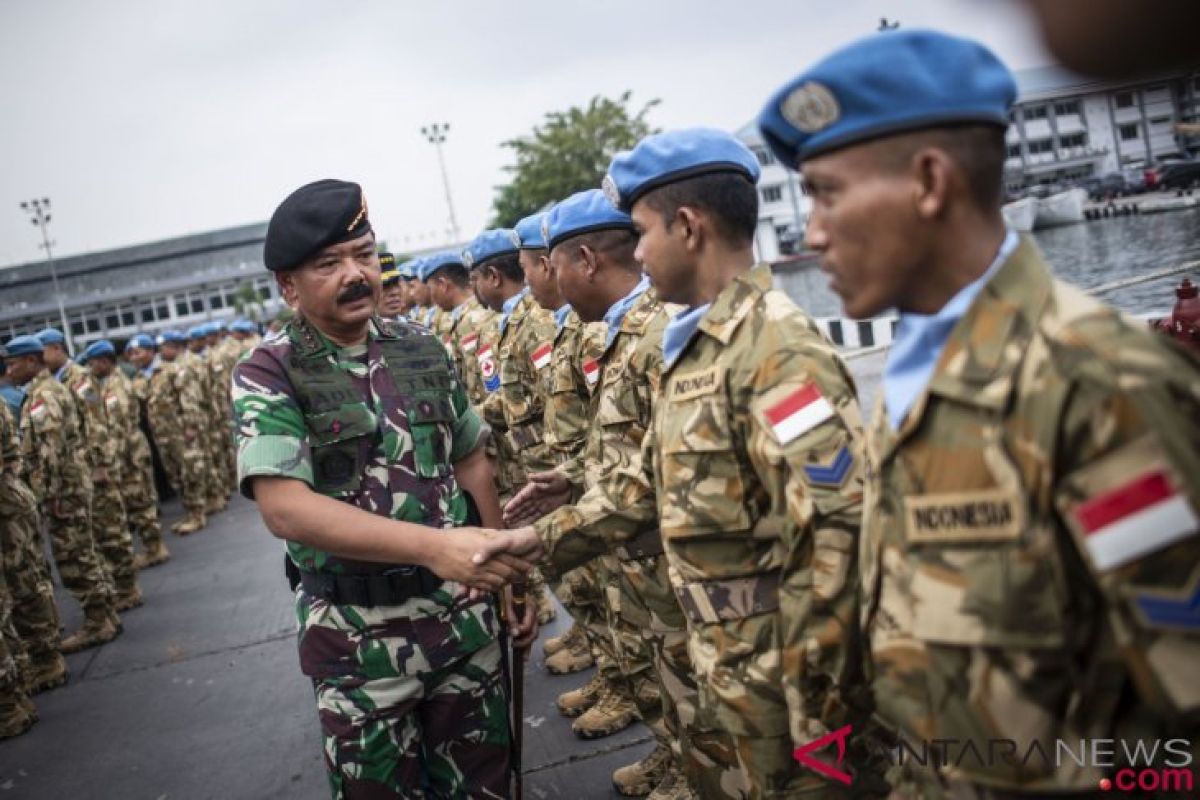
(799, 412)
(1134, 519)
(1171, 609)
(834, 473)
(541, 356)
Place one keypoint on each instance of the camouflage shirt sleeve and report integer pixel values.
(271, 434)
(469, 430)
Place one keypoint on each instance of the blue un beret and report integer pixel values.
(142, 340)
(431, 264)
(409, 269)
(885, 84)
(23, 345)
(50, 336)
(173, 337)
(674, 156)
(529, 232)
(197, 332)
(242, 326)
(97, 349)
(581, 213)
(313, 217)
(490, 244)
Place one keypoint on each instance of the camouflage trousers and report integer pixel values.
(193, 475)
(138, 493)
(11, 679)
(110, 531)
(81, 568)
(631, 658)
(24, 569)
(170, 448)
(218, 468)
(411, 698)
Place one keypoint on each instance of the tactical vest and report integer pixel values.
(342, 430)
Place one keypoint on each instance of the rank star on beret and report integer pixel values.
(23, 346)
(315, 216)
(97, 349)
(583, 212)
(675, 156)
(431, 264)
(529, 232)
(488, 245)
(885, 84)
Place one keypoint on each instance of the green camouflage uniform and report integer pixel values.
(23, 562)
(410, 695)
(759, 516)
(1011, 587)
(136, 466)
(58, 473)
(110, 527)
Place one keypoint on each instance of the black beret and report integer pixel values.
(313, 217)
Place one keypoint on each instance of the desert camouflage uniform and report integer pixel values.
(410, 696)
(214, 433)
(156, 385)
(23, 562)
(222, 359)
(58, 473)
(465, 338)
(110, 526)
(192, 413)
(760, 525)
(997, 602)
(136, 465)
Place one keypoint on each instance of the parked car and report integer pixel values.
(1106, 187)
(1179, 175)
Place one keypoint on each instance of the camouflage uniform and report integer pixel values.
(462, 340)
(214, 433)
(759, 515)
(23, 564)
(17, 712)
(56, 470)
(999, 599)
(187, 386)
(155, 386)
(136, 465)
(110, 526)
(222, 359)
(410, 695)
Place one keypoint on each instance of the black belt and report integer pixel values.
(645, 545)
(389, 588)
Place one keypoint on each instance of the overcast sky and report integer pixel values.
(144, 119)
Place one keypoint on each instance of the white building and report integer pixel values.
(1065, 127)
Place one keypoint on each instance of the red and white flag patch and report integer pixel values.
(1136, 518)
(798, 413)
(37, 409)
(469, 342)
(591, 371)
(541, 356)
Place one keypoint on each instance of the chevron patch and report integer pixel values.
(1179, 609)
(834, 473)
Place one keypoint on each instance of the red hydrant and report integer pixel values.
(1184, 323)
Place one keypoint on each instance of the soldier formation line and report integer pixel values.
(612, 402)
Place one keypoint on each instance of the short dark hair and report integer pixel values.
(617, 244)
(455, 273)
(979, 150)
(508, 265)
(728, 197)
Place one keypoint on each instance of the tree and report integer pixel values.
(248, 303)
(570, 151)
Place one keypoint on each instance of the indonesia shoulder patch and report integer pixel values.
(798, 413)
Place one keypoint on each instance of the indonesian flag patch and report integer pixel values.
(1133, 519)
(541, 356)
(591, 371)
(37, 409)
(798, 413)
(468, 342)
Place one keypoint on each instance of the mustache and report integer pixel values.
(354, 292)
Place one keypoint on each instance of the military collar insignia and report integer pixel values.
(609, 187)
(811, 107)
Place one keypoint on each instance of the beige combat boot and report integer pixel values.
(613, 711)
(194, 521)
(546, 610)
(577, 701)
(641, 777)
(17, 713)
(47, 675)
(97, 629)
(673, 786)
(575, 657)
(127, 598)
(152, 557)
(563, 641)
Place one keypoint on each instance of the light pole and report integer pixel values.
(436, 134)
(39, 213)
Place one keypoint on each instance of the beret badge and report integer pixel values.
(611, 192)
(515, 238)
(810, 107)
(468, 259)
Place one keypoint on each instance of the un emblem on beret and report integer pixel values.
(468, 259)
(609, 187)
(546, 228)
(515, 238)
(810, 107)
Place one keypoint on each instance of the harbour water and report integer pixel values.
(1088, 254)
